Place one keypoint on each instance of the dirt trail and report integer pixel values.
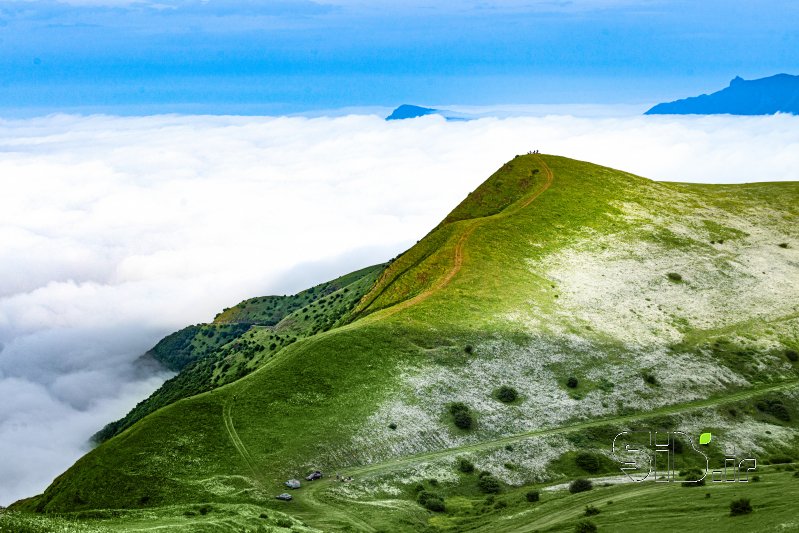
(227, 409)
(457, 262)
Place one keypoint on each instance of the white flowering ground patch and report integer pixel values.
(617, 283)
(423, 424)
(524, 462)
(389, 485)
(598, 481)
(744, 434)
(422, 420)
(529, 460)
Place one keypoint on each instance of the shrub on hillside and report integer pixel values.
(507, 394)
(792, 355)
(431, 501)
(457, 406)
(465, 466)
(590, 510)
(572, 382)
(677, 446)
(488, 483)
(464, 420)
(586, 526)
(650, 379)
(673, 276)
(774, 408)
(435, 504)
(588, 462)
(533, 496)
(741, 506)
(461, 415)
(693, 480)
(468, 349)
(580, 485)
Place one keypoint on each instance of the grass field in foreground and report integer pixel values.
(634, 507)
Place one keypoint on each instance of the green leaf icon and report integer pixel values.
(704, 438)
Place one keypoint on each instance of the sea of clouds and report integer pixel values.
(115, 231)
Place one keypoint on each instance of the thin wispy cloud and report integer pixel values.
(116, 231)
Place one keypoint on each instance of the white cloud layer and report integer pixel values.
(115, 231)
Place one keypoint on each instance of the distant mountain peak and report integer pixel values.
(406, 111)
(410, 111)
(764, 96)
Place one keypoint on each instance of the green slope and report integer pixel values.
(211, 355)
(271, 310)
(553, 269)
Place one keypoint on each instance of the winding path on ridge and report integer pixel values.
(340, 512)
(457, 261)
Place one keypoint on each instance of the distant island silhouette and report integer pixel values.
(764, 96)
(406, 111)
(410, 111)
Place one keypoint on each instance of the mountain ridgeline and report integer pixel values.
(558, 305)
(764, 96)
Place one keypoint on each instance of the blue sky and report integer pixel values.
(290, 56)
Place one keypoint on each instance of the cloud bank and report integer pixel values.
(116, 231)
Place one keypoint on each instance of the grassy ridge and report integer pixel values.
(211, 355)
(180, 349)
(270, 310)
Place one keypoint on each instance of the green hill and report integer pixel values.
(604, 301)
(241, 338)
